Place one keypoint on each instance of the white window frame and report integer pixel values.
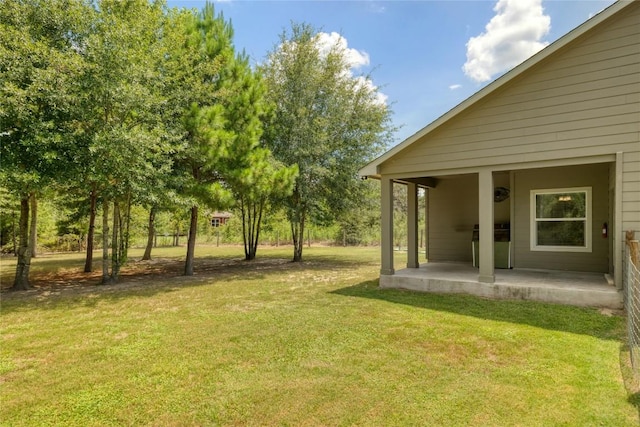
(588, 221)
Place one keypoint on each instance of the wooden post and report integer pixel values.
(386, 221)
(426, 224)
(412, 226)
(485, 215)
(634, 251)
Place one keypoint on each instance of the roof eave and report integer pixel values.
(372, 169)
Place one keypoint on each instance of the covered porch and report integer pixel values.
(459, 205)
(562, 287)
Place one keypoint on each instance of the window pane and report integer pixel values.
(561, 205)
(561, 233)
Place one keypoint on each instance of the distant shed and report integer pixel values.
(220, 218)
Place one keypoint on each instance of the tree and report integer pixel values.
(207, 139)
(254, 187)
(151, 231)
(198, 47)
(120, 150)
(33, 226)
(360, 223)
(400, 210)
(214, 115)
(327, 122)
(39, 67)
(93, 198)
(9, 208)
(251, 172)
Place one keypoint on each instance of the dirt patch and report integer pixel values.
(156, 272)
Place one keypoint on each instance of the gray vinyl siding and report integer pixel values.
(631, 191)
(453, 212)
(595, 176)
(584, 100)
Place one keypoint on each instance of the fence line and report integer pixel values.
(632, 301)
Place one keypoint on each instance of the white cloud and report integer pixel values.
(511, 36)
(379, 97)
(356, 58)
(377, 8)
(454, 87)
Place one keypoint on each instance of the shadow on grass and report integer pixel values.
(630, 376)
(69, 286)
(576, 320)
(634, 399)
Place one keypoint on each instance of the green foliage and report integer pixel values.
(40, 62)
(198, 55)
(118, 107)
(216, 118)
(122, 153)
(39, 67)
(326, 121)
(122, 149)
(9, 211)
(252, 173)
(360, 223)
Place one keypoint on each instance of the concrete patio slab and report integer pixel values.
(562, 287)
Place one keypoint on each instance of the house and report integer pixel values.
(548, 154)
(219, 218)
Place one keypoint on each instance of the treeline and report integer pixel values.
(110, 106)
(58, 231)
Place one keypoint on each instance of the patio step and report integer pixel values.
(570, 288)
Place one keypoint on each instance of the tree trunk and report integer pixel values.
(88, 263)
(152, 232)
(105, 242)
(115, 248)
(251, 219)
(257, 215)
(191, 244)
(245, 240)
(297, 230)
(33, 227)
(125, 224)
(21, 281)
(296, 218)
(13, 236)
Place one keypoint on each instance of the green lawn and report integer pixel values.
(276, 343)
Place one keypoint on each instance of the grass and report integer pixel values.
(276, 343)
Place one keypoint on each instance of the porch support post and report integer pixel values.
(486, 223)
(426, 224)
(617, 232)
(386, 221)
(412, 226)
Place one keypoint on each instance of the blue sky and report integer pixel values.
(425, 56)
